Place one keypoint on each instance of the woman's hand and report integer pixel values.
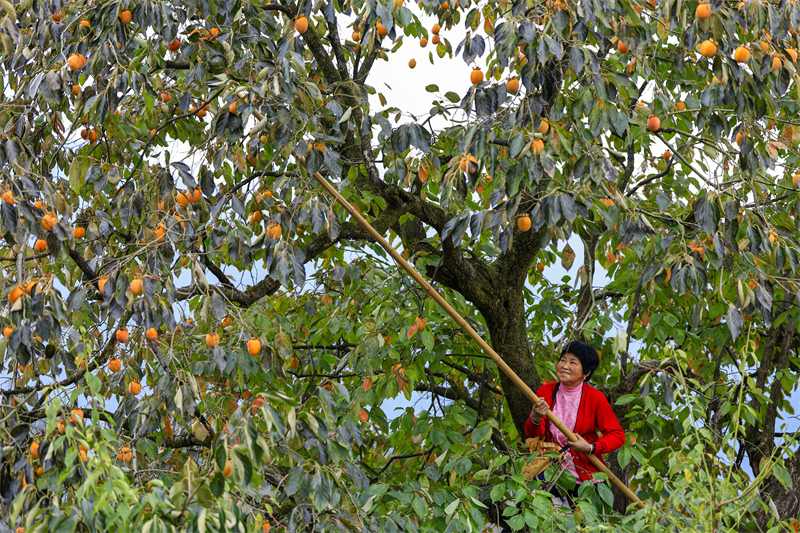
(581, 446)
(539, 410)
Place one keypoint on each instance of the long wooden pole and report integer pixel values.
(471, 332)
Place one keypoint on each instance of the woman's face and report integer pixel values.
(570, 370)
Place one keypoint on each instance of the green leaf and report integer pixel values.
(294, 480)
(427, 339)
(783, 476)
(420, 507)
(242, 467)
(76, 176)
(221, 456)
(67, 524)
(320, 492)
(624, 456)
(463, 466)
(498, 491)
(451, 507)
(438, 437)
(517, 522)
(481, 433)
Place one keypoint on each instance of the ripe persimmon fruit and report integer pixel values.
(476, 76)
(708, 49)
(512, 85)
(125, 454)
(742, 54)
(703, 11)
(136, 287)
(254, 346)
(212, 340)
(543, 128)
(76, 61)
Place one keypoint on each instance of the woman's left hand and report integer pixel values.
(581, 445)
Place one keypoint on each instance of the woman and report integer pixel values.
(582, 408)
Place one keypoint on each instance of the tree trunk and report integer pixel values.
(506, 319)
(787, 500)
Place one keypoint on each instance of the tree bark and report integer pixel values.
(761, 441)
(508, 330)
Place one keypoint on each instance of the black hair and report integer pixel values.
(587, 355)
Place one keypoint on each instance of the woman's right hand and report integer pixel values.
(539, 410)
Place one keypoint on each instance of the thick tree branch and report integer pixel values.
(321, 55)
(631, 380)
(267, 286)
(333, 37)
(473, 376)
(96, 363)
(651, 178)
(622, 183)
(632, 315)
(585, 304)
(187, 441)
(88, 272)
(602, 295)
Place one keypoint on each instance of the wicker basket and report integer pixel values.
(542, 458)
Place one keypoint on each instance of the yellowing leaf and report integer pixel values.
(199, 430)
(567, 257)
(583, 276)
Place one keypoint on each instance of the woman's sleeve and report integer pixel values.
(536, 430)
(606, 421)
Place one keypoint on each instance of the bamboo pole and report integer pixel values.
(471, 332)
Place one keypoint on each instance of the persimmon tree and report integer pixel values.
(196, 337)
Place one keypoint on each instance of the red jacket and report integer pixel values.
(594, 414)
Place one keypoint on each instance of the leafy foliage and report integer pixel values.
(174, 188)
